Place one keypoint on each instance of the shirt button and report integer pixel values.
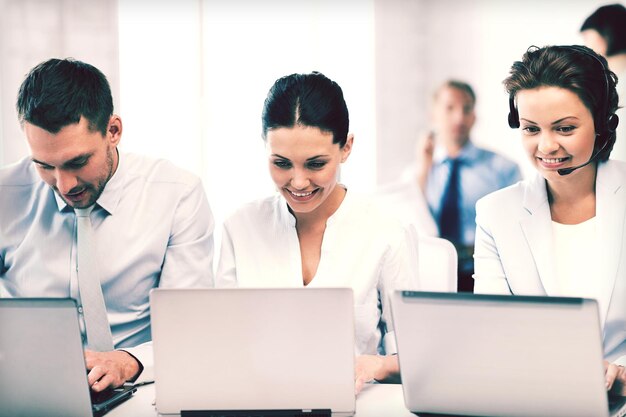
(80, 310)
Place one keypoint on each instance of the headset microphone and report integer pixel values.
(567, 171)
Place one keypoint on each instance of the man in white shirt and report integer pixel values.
(152, 225)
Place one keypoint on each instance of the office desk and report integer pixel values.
(376, 400)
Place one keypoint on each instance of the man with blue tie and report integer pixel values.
(80, 219)
(453, 173)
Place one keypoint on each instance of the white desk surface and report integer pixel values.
(376, 400)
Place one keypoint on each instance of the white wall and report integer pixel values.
(161, 79)
(401, 39)
(32, 31)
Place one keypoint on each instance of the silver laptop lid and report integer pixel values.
(42, 367)
(253, 349)
(505, 356)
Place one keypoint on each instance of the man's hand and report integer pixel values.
(374, 367)
(425, 148)
(615, 378)
(109, 369)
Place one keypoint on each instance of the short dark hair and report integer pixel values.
(57, 92)
(458, 85)
(575, 68)
(311, 100)
(610, 22)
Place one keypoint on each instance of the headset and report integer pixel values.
(610, 121)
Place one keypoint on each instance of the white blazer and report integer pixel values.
(514, 253)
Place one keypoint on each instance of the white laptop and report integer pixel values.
(261, 352)
(42, 365)
(497, 355)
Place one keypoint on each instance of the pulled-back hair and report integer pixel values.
(311, 100)
(57, 92)
(577, 69)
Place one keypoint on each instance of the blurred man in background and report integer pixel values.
(450, 175)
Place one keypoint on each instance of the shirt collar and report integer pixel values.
(468, 153)
(61, 204)
(285, 214)
(112, 192)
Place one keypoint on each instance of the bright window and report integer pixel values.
(194, 75)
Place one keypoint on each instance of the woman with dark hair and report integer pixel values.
(604, 31)
(562, 233)
(314, 233)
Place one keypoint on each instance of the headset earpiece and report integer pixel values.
(612, 122)
(513, 116)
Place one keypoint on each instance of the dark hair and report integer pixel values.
(575, 68)
(308, 100)
(610, 22)
(458, 85)
(57, 92)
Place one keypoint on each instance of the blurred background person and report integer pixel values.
(604, 31)
(450, 175)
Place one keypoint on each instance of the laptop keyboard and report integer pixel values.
(256, 413)
(615, 402)
(101, 397)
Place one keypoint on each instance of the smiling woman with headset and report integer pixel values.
(562, 233)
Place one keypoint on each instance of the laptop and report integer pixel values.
(500, 355)
(261, 352)
(42, 366)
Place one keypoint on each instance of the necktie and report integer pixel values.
(450, 216)
(94, 310)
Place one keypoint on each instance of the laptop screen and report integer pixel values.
(41, 357)
(499, 355)
(253, 349)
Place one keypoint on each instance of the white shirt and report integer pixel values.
(576, 257)
(153, 228)
(362, 249)
(515, 251)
